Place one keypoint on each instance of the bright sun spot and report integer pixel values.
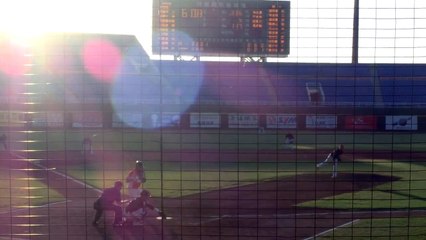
(320, 29)
(25, 19)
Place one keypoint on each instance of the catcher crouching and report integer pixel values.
(137, 209)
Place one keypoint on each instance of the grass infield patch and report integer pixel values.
(383, 228)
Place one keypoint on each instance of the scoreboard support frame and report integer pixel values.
(248, 59)
(182, 58)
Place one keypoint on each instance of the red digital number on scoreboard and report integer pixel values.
(221, 27)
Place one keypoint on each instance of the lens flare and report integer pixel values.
(12, 58)
(143, 88)
(102, 59)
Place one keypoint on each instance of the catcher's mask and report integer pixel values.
(145, 193)
(139, 164)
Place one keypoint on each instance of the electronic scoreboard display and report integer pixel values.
(221, 27)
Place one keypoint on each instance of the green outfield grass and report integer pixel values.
(178, 178)
(384, 228)
(229, 139)
(174, 177)
(406, 193)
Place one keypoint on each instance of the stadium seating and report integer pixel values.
(59, 75)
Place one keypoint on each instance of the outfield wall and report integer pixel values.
(286, 121)
(68, 90)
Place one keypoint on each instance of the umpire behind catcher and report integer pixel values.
(109, 200)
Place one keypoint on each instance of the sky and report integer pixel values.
(392, 31)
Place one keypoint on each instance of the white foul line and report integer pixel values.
(15, 210)
(62, 175)
(330, 230)
(58, 173)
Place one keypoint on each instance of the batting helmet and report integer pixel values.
(118, 184)
(139, 164)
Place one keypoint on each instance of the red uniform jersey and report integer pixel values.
(134, 178)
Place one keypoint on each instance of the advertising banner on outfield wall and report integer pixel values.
(165, 119)
(12, 119)
(401, 122)
(153, 120)
(236, 120)
(127, 119)
(281, 121)
(361, 122)
(89, 119)
(204, 120)
(48, 119)
(321, 121)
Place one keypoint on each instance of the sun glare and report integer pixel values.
(26, 19)
(318, 32)
(21, 19)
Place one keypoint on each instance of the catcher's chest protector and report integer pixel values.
(135, 205)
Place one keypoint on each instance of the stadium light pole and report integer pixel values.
(355, 58)
(355, 35)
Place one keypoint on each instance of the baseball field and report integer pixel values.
(217, 184)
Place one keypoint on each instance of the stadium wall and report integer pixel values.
(65, 92)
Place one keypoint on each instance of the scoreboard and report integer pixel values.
(254, 28)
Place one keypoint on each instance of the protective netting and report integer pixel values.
(314, 146)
